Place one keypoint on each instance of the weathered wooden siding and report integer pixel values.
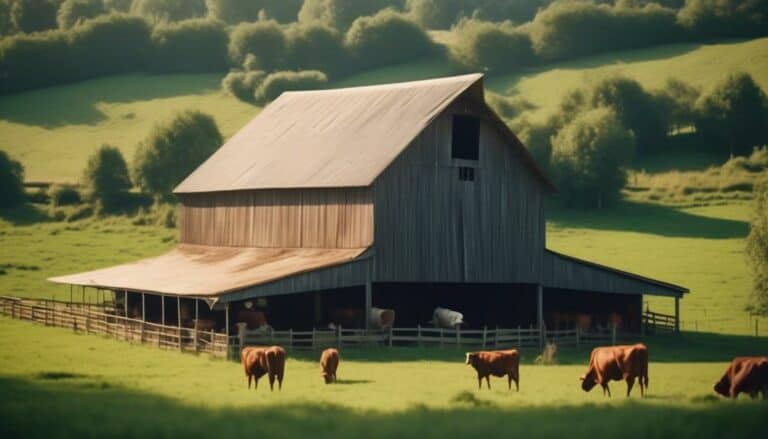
(571, 274)
(316, 218)
(432, 227)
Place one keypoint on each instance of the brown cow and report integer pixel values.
(329, 362)
(275, 360)
(745, 375)
(617, 363)
(496, 363)
(260, 361)
(252, 359)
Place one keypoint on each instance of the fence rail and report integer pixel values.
(654, 322)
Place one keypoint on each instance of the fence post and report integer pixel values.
(87, 323)
(338, 336)
(578, 336)
(519, 337)
(613, 335)
(391, 332)
(496, 337)
(418, 334)
(290, 337)
(313, 337)
(458, 335)
(485, 331)
(441, 337)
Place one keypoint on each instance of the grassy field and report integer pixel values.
(105, 387)
(697, 64)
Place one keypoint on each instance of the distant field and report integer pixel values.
(104, 387)
(696, 64)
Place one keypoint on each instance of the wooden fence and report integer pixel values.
(654, 322)
(89, 319)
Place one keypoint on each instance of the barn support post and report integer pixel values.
(162, 309)
(197, 318)
(226, 328)
(143, 316)
(70, 295)
(368, 298)
(178, 319)
(540, 313)
(677, 315)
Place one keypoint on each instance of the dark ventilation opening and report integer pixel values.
(466, 173)
(466, 138)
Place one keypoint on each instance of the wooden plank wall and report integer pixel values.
(431, 227)
(315, 218)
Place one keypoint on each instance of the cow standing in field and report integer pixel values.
(617, 363)
(329, 362)
(496, 363)
(745, 375)
(260, 361)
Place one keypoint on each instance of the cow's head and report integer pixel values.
(723, 386)
(327, 377)
(471, 357)
(588, 380)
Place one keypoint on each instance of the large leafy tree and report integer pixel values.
(757, 250)
(11, 181)
(106, 176)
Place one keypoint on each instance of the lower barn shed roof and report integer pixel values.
(208, 271)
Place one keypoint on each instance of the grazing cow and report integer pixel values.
(260, 361)
(329, 362)
(496, 363)
(253, 359)
(745, 375)
(617, 363)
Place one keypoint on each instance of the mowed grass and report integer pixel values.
(85, 385)
(696, 64)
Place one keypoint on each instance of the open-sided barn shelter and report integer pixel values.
(405, 196)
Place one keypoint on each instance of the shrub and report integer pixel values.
(34, 15)
(588, 156)
(237, 11)
(173, 150)
(316, 47)
(118, 5)
(106, 176)
(442, 14)
(169, 10)
(387, 38)
(72, 12)
(79, 213)
(569, 29)
(538, 139)
(757, 250)
(11, 181)
(734, 114)
(38, 196)
(339, 14)
(680, 100)
(495, 47)
(242, 85)
(508, 107)
(279, 82)
(725, 18)
(265, 40)
(61, 195)
(191, 46)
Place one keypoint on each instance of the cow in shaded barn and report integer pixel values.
(745, 375)
(496, 363)
(329, 362)
(617, 363)
(260, 361)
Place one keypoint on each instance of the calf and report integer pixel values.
(496, 363)
(617, 363)
(329, 362)
(745, 375)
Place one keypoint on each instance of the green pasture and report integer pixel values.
(696, 64)
(101, 386)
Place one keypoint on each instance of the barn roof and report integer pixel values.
(207, 271)
(332, 138)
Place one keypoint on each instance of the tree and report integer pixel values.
(11, 181)
(106, 176)
(734, 113)
(588, 158)
(495, 47)
(264, 39)
(34, 15)
(339, 14)
(169, 10)
(757, 250)
(72, 12)
(173, 150)
(238, 11)
(279, 82)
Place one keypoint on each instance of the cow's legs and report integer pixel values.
(249, 381)
(642, 386)
(630, 383)
(479, 382)
(509, 381)
(517, 382)
(271, 381)
(606, 389)
(488, 381)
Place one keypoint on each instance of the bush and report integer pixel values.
(191, 46)
(538, 139)
(316, 47)
(494, 47)
(118, 5)
(106, 176)
(725, 18)
(569, 29)
(237, 11)
(442, 14)
(680, 100)
(242, 85)
(507, 107)
(757, 250)
(340, 14)
(168, 10)
(277, 83)
(38, 196)
(387, 38)
(71, 12)
(588, 156)
(34, 15)
(173, 150)
(79, 213)
(265, 40)
(11, 181)
(734, 114)
(61, 195)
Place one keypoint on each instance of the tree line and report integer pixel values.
(51, 42)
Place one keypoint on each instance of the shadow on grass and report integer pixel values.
(72, 410)
(351, 382)
(648, 218)
(78, 103)
(24, 215)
